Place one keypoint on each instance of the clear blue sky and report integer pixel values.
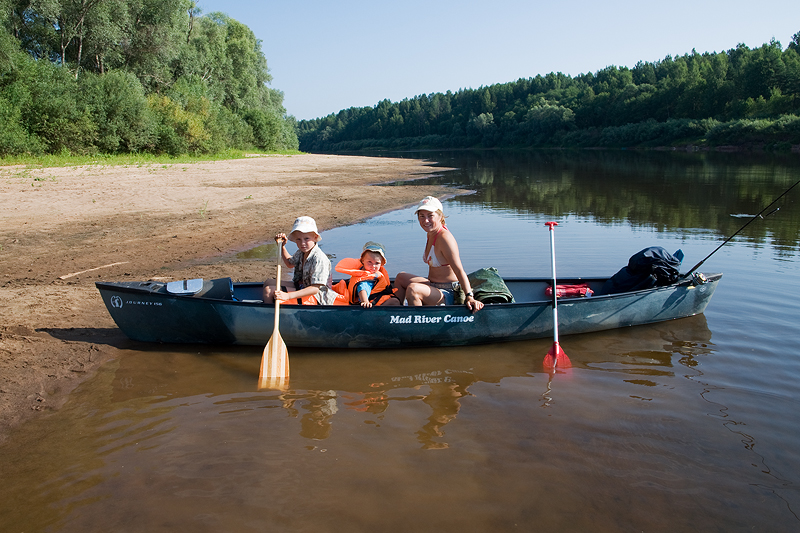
(330, 55)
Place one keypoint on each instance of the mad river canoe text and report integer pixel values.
(423, 319)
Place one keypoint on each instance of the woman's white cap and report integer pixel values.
(305, 225)
(429, 203)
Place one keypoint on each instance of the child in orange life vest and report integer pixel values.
(369, 282)
(311, 283)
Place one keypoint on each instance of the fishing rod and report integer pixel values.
(742, 228)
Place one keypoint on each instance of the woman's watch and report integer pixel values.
(470, 295)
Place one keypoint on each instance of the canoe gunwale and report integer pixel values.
(119, 286)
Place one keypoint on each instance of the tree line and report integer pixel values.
(741, 96)
(128, 76)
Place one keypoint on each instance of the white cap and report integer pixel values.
(305, 225)
(429, 203)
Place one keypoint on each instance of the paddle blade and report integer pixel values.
(556, 358)
(281, 384)
(274, 373)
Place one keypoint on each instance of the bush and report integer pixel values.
(14, 140)
(784, 129)
(230, 129)
(177, 129)
(51, 108)
(119, 108)
(266, 128)
(183, 117)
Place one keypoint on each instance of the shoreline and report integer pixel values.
(65, 228)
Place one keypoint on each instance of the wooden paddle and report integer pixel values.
(556, 356)
(274, 373)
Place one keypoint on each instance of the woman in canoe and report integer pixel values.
(446, 275)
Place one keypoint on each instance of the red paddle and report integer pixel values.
(556, 356)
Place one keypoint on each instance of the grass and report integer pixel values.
(140, 159)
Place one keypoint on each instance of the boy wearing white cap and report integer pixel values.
(446, 275)
(311, 283)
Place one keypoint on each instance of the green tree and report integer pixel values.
(155, 36)
(102, 36)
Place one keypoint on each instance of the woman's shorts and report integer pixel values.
(448, 290)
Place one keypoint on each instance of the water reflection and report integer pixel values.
(186, 425)
(667, 191)
(329, 384)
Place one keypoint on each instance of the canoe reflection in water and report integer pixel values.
(379, 389)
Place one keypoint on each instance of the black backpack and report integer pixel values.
(651, 267)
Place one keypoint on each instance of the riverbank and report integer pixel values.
(64, 228)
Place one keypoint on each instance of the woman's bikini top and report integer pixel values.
(430, 258)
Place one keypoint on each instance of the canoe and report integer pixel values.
(223, 312)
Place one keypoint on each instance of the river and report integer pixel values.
(689, 425)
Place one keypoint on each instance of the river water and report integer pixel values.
(690, 425)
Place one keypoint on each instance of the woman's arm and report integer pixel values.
(450, 252)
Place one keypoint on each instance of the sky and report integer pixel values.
(326, 56)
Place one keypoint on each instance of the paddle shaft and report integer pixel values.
(276, 330)
(553, 271)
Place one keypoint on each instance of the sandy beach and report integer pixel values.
(62, 229)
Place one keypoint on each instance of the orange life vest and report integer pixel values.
(381, 291)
